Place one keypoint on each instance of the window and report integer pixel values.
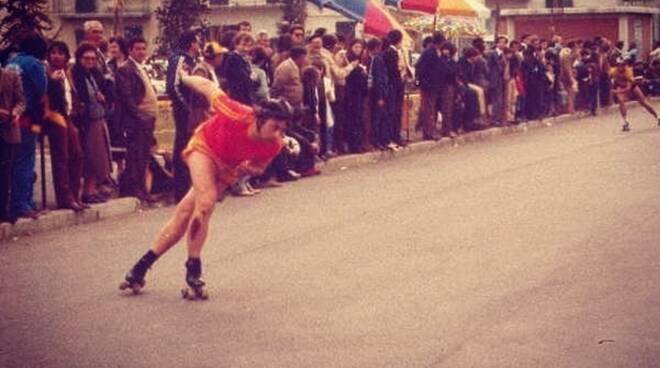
(85, 6)
(80, 35)
(346, 28)
(131, 32)
(558, 3)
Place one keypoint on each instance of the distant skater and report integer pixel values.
(624, 88)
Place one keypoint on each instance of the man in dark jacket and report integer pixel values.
(496, 66)
(378, 95)
(139, 107)
(396, 85)
(236, 71)
(430, 77)
(180, 97)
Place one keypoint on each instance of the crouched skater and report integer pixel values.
(237, 141)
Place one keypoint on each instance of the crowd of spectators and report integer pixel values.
(351, 93)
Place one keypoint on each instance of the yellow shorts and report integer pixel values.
(225, 174)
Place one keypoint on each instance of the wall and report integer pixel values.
(644, 43)
(263, 17)
(569, 27)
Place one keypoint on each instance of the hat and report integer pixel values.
(212, 49)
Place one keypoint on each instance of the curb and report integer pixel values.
(124, 206)
(342, 163)
(64, 218)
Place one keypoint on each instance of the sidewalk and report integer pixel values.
(352, 161)
(125, 206)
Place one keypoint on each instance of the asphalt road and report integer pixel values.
(534, 250)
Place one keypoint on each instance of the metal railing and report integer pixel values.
(100, 7)
(648, 3)
(243, 3)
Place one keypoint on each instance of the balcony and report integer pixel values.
(244, 3)
(83, 9)
(642, 3)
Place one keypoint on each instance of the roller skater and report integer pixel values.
(237, 141)
(624, 87)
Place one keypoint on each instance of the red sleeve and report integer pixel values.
(223, 105)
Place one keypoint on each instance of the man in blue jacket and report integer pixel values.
(430, 76)
(29, 64)
(180, 95)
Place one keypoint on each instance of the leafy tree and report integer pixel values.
(21, 16)
(175, 17)
(294, 11)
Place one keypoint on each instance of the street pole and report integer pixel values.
(496, 21)
(42, 152)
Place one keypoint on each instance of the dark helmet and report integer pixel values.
(278, 109)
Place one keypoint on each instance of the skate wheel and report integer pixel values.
(203, 294)
(185, 293)
(123, 286)
(136, 289)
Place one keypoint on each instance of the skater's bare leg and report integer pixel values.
(644, 102)
(206, 193)
(622, 106)
(176, 228)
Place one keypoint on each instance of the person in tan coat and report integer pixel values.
(287, 83)
(567, 57)
(12, 105)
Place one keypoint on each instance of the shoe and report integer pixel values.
(8, 219)
(107, 189)
(431, 137)
(104, 195)
(393, 147)
(245, 192)
(294, 174)
(146, 198)
(270, 183)
(311, 172)
(626, 127)
(251, 189)
(31, 214)
(93, 199)
(286, 177)
(75, 206)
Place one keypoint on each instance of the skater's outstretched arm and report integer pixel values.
(201, 85)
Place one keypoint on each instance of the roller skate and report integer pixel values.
(134, 279)
(626, 126)
(195, 288)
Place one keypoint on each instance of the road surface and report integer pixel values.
(535, 250)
